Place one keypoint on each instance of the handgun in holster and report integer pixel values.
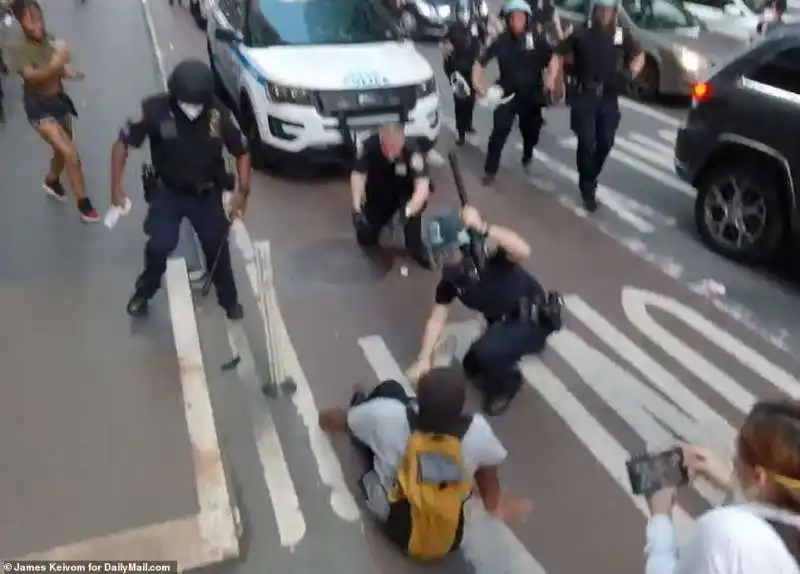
(150, 182)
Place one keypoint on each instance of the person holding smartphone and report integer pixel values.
(759, 536)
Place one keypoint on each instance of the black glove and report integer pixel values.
(550, 311)
(360, 222)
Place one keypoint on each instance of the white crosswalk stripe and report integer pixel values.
(627, 158)
(631, 382)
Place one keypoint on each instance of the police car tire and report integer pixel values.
(756, 173)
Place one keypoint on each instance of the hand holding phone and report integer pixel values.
(649, 472)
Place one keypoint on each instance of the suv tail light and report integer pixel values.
(701, 92)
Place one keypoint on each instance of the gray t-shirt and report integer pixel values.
(382, 425)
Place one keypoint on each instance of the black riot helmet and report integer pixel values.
(191, 82)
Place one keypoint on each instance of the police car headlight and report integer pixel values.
(288, 95)
(444, 11)
(690, 61)
(427, 87)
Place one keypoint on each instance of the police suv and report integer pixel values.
(309, 78)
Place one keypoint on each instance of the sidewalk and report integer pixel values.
(99, 431)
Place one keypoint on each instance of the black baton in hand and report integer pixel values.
(476, 247)
(210, 275)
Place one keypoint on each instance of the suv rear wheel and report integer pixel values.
(738, 211)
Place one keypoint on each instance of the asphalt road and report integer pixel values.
(637, 343)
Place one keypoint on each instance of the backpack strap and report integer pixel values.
(412, 417)
(790, 536)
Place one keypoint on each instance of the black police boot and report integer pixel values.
(496, 401)
(527, 159)
(462, 139)
(421, 258)
(488, 179)
(138, 305)
(234, 312)
(589, 196)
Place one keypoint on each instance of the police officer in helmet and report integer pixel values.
(461, 47)
(187, 128)
(600, 77)
(390, 176)
(519, 314)
(522, 54)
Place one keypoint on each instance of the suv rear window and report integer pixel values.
(782, 71)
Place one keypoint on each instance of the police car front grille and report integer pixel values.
(333, 102)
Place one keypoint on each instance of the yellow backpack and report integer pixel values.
(426, 516)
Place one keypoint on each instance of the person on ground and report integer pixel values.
(759, 536)
(44, 63)
(390, 176)
(422, 459)
(187, 128)
(522, 55)
(520, 315)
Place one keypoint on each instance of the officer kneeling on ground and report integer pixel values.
(522, 55)
(519, 314)
(187, 129)
(422, 461)
(600, 78)
(390, 175)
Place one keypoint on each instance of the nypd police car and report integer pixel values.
(308, 78)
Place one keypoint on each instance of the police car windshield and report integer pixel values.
(302, 22)
(659, 14)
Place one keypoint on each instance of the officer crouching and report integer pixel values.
(390, 175)
(599, 78)
(187, 128)
(481, 266)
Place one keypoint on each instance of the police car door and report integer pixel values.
(573, 11)
(228, 15)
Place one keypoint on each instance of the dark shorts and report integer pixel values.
(58, 108)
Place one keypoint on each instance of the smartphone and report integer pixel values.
(649, 472)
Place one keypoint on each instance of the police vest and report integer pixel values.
(598, 55)
(184, 153)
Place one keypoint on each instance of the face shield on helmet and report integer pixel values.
(513, 7)
(445, 237)
(191, 85)
(464, 11)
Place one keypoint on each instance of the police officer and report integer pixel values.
(519, 314)
(521, 55)
(599, 79)
(390, 175)
(462, 46)
(187, 128)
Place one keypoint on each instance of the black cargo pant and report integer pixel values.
(463, 108)
(529, 112)
(491, 361)
(383, 201)
(594, 119)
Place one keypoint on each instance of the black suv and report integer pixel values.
(740, 148)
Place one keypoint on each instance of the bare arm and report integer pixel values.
(50, 71)
(358, 186)
(478, 79)
(422, 191)
(510, 241)
(433, 331)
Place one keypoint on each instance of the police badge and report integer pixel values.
(213, 123)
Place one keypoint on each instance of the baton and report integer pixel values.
(210, 276)
(475, 243)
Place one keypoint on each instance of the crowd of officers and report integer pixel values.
(534, 56)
